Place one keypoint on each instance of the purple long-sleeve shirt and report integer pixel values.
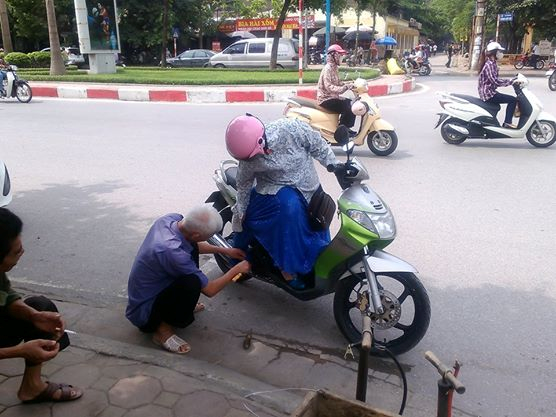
(164, 257)
(489, 81)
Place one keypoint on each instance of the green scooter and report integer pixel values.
(363, 277)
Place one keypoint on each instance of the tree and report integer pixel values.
(5, 23)
(56, 61)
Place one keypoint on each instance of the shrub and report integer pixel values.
(19, 59)
(40, 59)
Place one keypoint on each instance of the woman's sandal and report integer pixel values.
(68, 393)
(199, 307)
(173, 344)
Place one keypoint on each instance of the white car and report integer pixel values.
(6, 188)
(72, 56)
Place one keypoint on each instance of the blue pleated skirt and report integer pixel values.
(280, 224)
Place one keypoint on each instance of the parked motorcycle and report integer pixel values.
(316, 57)
(15, 86)
(525, 61)
(363, 277)
(380, 135)
(467, 117)
(551, 74)
(6, 194)
(421, 68)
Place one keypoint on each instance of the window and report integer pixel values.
(200, 54)
(257, 48)
(187, 55)
(235, 49)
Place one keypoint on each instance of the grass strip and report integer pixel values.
(204, 76)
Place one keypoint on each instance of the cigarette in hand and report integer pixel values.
(238, 276)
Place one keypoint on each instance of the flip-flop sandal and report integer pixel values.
(173, 344)
(199, 307)
(68, 393)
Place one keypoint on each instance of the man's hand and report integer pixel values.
(49, 322)
(241, 268)
(39, 350)
(234, 253)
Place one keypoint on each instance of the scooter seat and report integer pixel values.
(231, 176)
(308, 102)
(492, 108)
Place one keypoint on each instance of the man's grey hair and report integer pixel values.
(203, 219)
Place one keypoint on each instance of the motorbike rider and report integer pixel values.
(275, 181)
(489, 82)
(330, 87)
(416, 57)
(3, 66)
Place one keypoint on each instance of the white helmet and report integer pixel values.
(359, 108)
(493, 46)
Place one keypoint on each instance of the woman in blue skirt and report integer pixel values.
(275, 182)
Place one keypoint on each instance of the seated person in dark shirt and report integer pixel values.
(165, 281)
(35, 321)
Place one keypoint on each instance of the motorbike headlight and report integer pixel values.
(381, 224)
(7, 185)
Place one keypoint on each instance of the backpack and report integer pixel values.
(321, 210)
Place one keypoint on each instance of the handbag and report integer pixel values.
(321, 210)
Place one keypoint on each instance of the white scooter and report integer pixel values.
(6, 187)
(15, 86)
(467, 117)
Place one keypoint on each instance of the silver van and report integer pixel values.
(251, 53)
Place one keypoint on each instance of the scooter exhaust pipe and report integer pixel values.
(458, 129)
(218, 240)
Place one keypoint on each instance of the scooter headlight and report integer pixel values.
(381, 224)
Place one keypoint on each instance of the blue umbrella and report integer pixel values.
(387, 40)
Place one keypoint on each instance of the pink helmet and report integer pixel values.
(245, 137)
(336, 48)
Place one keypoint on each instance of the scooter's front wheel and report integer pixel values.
(552, 81)
(519, 65)
(406, 310)
(23, 92)
(542, 133)
(383, 142)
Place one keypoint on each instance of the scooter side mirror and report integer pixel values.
(341, 135)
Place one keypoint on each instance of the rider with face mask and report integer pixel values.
(330, 87)
(489, 82)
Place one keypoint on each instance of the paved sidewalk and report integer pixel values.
(384, 85)
(124, 375)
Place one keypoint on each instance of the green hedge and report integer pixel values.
(19, 59)
(40, 59)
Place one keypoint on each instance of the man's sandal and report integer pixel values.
(67, 393)
(173, 344)
(199, 307)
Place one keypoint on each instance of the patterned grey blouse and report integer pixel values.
(292, 144)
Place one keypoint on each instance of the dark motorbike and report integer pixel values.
(527, 61)
(411, 66)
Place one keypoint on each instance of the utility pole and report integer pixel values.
(478, 33)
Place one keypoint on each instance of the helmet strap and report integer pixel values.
(265, 146)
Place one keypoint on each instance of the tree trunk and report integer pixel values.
(164, 34)
(5, 23)
(357, 31)
(56, 61)
(278, 34)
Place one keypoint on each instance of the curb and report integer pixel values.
(203, 95)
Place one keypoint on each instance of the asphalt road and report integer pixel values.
(477, 220)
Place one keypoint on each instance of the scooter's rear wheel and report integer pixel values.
(542, 136)
(383, 142)
(451, 136)
(23, 92)
(406, 304)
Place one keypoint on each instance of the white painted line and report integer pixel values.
(131, 94)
